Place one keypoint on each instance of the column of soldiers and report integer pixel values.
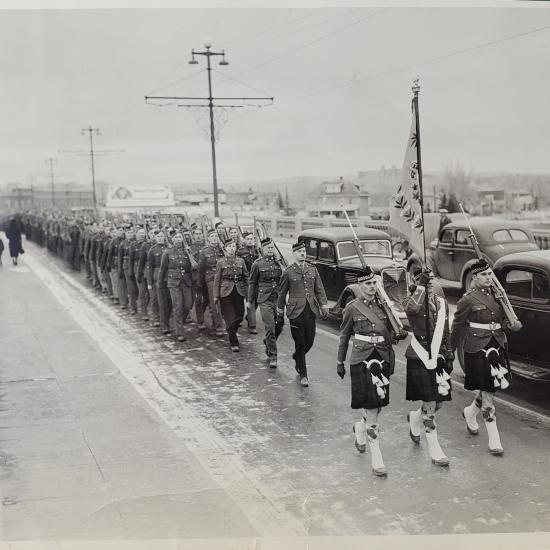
(169, 280)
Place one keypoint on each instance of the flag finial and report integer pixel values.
(416, 85)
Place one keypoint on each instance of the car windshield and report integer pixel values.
(507, 235)
(371, 247)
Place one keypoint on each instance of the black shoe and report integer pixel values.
(415, 438)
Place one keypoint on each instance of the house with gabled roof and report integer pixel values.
(330, 198)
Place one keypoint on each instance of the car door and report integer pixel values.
(463, 252)
(328, 268)
(444, 255)
(528, 289)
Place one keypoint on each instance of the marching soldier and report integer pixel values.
(160, 302)
(138, 257)
(199, 292)
(208, 260)
(249, 254)
(371, 364)
(478, 335)
(234, 236)
(104, 263)
(263, 286)
(119, 285)
(230, 291)
(176, 269)
(429, 361)
(306, 300)
(128, 289)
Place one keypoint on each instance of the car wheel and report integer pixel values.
(467, 281)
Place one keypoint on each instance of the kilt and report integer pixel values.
(363, 391)
(477, 369)
(421, 382)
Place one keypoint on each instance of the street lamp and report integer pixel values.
(208, 53)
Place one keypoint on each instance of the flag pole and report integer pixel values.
(416, 90)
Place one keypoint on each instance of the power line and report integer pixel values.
(269, 29)
(417, 64)
(307, 44)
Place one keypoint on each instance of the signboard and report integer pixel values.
(128, 196)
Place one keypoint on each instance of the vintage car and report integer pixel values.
(332, 251)
(526, 278)
(452, 254)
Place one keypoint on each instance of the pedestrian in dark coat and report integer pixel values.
(13, 233)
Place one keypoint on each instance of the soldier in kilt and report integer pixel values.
(371, 364)
(478, 335)
(429, 361)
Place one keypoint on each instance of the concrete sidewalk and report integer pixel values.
(83, 455)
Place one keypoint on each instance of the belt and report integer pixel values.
(370, 339)
(486, 326)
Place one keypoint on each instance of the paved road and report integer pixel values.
(110, 430)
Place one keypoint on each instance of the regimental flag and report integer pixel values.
(406, 215)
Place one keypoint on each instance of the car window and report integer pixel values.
(502, 235)
(519, 235)
(529, 285)
(326, 251)
(311, 248)
(370, 247)
(446, 237)
(462, 238)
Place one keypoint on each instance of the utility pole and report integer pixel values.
(90, 130)
(51, 162)
(208, 53)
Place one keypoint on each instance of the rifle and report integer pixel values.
(282, 259)
(498, 290)
(383, 298)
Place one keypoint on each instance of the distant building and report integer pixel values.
(129, 198)
(500, 201)
(199, 198)
(65, 196)
(330, 198)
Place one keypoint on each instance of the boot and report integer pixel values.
(470, 415)
(415, 425)
(377, 462)
(495, 446)
(360, 431)
(437, 454)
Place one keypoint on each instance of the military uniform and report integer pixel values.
(127, 288)
(477, 330)
(198, 291)
(160, 296)
(139, 259)
(208, 260)
(263, 287)
(111, 266)
(249, 254)
(230, 289)
(175, 269)
(372, 353)
(423, 383)
(305, 296)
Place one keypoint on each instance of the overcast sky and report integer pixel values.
(340, 77)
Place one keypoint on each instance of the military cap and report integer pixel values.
(267, 241)
(298, 245)
(480, 266)
(366, 275)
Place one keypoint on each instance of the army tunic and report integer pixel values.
(127, 288)
(208, 259)
(231, 289)
(139, 256)
(478, 326)
(249, 254)
(263, 287)
(372, 353)
(306, 294)
(422, 383)
(175, 269)
(161, 304)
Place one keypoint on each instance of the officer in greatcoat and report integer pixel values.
(306, 300)
(200, 292)
(429, 361)
(138, 258)
(128, 288)
(160, 299)
(371, 364)
(478, 335)
(263, 288)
